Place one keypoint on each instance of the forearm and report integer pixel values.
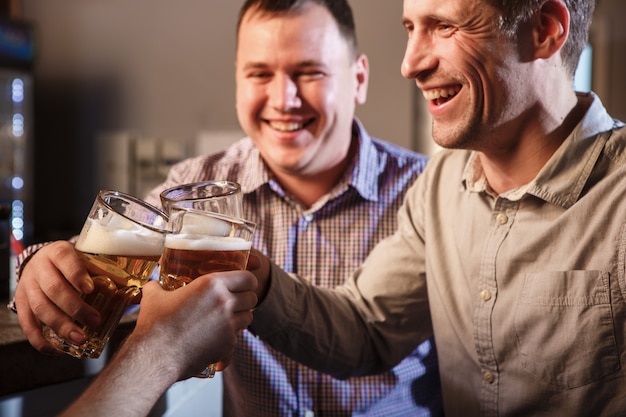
(130, 384)
(365, 326)
(317, 327)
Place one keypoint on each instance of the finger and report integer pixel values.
(64, 326)
(244, 301)
(66, 260)
(32, 329)
(58, 304)
(46, 295)
(242, 319)
(47, 291)
(237, 281)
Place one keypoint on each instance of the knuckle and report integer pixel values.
(74, 311)
(38, 306)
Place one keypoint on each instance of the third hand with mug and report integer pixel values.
(200, 242)
(226, 235)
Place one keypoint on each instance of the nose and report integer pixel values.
(284, 93)
(419, 56)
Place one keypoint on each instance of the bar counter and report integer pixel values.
(23, 368)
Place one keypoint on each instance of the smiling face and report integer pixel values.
(470, 73)
(298, 83)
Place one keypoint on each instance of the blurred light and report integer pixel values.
(17, 223)
(17, 90)
(17, 218)
(582, 77)
(17, 183)
(18, 206)
(18, 124)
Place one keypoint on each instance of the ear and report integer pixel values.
(551, 28)
(362, 70)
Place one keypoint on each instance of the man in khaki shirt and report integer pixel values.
(511, 248)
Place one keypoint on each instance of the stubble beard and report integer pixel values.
(466, 134)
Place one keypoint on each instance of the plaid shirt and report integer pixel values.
(323, 243)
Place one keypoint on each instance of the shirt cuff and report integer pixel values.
(21, 261)
(271, 316)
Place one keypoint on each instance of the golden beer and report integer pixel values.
(117, 278)
(185, 259)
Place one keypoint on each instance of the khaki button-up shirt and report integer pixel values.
(525, 291)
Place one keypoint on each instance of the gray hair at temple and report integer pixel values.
(339, 9)
(515, 12)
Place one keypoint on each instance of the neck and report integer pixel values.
(519, 162)
(308, 189)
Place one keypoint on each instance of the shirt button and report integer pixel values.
(485, 295)
(308, 218)
(489, 377)
(309, 413)
(502, 218)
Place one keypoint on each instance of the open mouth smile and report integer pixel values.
(440, 96)
(288, 126)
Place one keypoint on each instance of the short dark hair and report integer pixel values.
(339, 9)
(515, 12)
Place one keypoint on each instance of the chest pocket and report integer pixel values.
(564, 327)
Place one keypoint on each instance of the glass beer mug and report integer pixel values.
(200, 242)
(216, 196)
(120, 244)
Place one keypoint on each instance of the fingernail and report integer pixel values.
(77, 337)
(87, 286)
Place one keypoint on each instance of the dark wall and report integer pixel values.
(68, 114)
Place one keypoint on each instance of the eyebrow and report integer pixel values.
(300, 64)
(254, 65)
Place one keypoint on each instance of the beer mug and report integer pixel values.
(200, 242)
(120, 244)
(217, 196)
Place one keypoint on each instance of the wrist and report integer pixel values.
(151, 357)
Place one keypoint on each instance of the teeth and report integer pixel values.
(441, 93)
(286, 126)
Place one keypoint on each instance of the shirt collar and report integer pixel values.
(358, 175)
(254, 174)
(563, 177)
(366, 167)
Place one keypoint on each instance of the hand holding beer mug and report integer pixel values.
(120, 245)
(218, 196)
(201, 242)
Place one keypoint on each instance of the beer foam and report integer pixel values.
(186, 241)
(119, 238)
(201, 224)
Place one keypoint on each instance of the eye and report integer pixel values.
(310, 75)
(259, 74)
(259, 77)
(445, 29)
